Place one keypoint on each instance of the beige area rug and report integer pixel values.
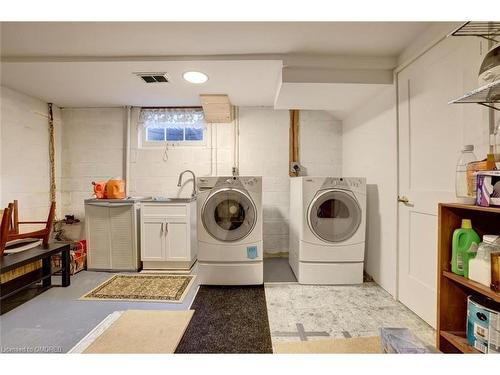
(355, 345)
(140, 331)
(142, 287)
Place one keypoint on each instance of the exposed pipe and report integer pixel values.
(404, 64)
(126, 171)
(491, 117)
(211, 149)
(396, 83)
(214, 126)
(236, 145)
(52, 153)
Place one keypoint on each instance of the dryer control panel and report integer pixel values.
(348, 183)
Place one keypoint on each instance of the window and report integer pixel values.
(183, 126)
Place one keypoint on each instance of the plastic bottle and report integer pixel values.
(490, 162)
(480, 266)
(463, 248)
(463, 183)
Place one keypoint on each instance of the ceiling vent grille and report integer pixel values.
(153, 77)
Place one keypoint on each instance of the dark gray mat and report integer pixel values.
(228, 319)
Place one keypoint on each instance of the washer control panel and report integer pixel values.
(252, 183)
(249, 183)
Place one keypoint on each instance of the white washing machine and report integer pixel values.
(230, 230)
(327, 229)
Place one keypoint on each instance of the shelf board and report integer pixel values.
(487, 95)
(487, 30)
(480, 288)
(459, 341)
(461, 206)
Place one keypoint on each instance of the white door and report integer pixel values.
(153, 239)
(176, 240)
(431, 135)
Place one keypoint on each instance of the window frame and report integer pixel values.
(145, 143)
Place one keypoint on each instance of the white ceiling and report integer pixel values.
(91, 64)
(209, 38)
(103, 84)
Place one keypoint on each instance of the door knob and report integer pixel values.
(404, 199)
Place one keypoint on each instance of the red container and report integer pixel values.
(99, 189)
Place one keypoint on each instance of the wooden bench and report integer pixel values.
(44, 274)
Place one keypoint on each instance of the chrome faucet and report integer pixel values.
(179, 183)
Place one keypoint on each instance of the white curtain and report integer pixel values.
(172, 118)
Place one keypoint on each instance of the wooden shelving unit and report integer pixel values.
(459, 341)
(479, 288)
(454, 289)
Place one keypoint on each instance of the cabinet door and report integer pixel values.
(176, 240)
(152, 233)
(123, 255)
(98, 237)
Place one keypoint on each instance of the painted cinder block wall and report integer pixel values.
(92, 150)
(24, 160)
(263, 151)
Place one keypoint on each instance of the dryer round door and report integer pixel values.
(334, 216)
(229, 215)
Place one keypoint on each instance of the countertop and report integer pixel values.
(133, 200)
(169, 200)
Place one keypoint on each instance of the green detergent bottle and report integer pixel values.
(465, 241)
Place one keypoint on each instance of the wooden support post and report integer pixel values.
(294, 141)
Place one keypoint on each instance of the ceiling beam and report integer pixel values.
(302, 60)
(241, 57)
(312, 75)
(339, 61)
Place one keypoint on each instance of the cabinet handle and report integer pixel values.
(161, 231)
(166, 228)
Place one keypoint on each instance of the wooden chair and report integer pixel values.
(43, 234)
(4, 227)
(14, 227)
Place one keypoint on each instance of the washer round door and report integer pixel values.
(334, 216)
(229, 215)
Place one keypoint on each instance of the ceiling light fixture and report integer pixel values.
(195, 77)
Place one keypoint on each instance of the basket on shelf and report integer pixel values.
(78, 258)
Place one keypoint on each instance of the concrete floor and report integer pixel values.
(56, 320)
(277, 270)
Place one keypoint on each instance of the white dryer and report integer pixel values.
(327, 229)
(229, 230)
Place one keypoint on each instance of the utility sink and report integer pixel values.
(170, 200)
